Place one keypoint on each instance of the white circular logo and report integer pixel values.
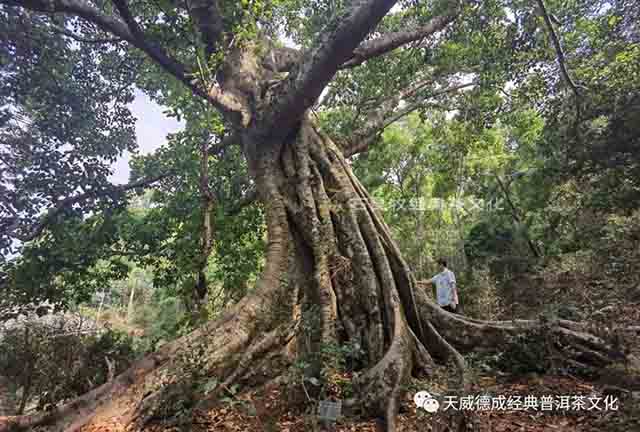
(431, 405)
(424, 400)
(420, 398)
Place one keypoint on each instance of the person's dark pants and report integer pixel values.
(449, 308)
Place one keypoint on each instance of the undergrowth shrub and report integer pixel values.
(53, 360)
(529, 352)
(163, 320)
(479, 296)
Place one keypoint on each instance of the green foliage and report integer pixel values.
(435, 179)
(523, 131)
(78, 126)
(529, 352)
(163, 318)
(166, 233)
(69, 263)
(488, 239)
(63, 121)
(76, 258)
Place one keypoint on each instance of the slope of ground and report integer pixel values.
(277, 407)
(269, 409)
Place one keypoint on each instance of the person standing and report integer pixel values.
(446, 290)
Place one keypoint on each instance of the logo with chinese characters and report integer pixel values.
(530, 403)
(425, 401)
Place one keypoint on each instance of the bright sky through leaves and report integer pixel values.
(152, 127)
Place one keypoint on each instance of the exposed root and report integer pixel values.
(382, 384)
(423, 363)
(275, 338)
(449, 351)
(467, 334)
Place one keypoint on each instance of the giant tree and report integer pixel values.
(330, 259)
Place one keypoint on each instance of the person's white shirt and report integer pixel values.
(446, 293)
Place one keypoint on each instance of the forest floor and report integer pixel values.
(270, 408)
(272, 412)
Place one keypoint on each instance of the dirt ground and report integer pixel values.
(278, 407)
(270, 409)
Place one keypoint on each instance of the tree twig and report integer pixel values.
(390, 41)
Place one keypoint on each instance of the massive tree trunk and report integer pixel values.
(332, 267)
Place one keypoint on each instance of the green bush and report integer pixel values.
(529, 352)
(163, 320)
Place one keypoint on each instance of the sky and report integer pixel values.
(152, 127)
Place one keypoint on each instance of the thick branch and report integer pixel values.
(129, 31)
(386, 115)
(76, 37)
(558, 47)
(411, 108)
(62, 204)
(282, 59)
(334, 46)
(111, 25)
(126, 15)
(390, 41)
